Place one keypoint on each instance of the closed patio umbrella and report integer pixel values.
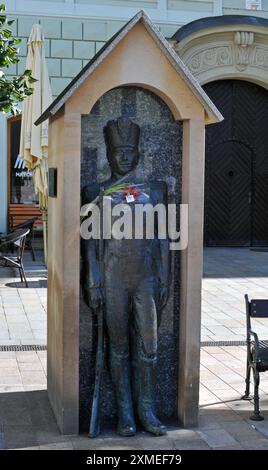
(34, 139)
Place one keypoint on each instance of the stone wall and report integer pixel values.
(160, 157)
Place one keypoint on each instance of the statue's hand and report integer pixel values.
(163, 296)
(93, 297)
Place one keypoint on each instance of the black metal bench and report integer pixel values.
(257, 352)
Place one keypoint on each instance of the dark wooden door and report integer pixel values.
(236, 189)
(228, 215)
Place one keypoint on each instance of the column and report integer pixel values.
(191, 272)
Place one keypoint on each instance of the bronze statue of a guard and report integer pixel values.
(133, 283)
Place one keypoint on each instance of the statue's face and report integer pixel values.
(124, 159)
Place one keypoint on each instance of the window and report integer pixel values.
(21, 188)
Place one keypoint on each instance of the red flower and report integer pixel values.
(131, 191)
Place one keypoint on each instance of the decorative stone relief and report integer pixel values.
(209, 58)
(241, 53)
(260, 57)
(214, 54)
(243, 41)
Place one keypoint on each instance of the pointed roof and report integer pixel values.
(168, 51)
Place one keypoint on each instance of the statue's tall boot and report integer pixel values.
(120, 372)
(146, 397)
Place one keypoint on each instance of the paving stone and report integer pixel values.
(11, 388)
(28, 448)
(145, 441)
(181, 433)
(10, 380)
(18, 319)
(8, 362)
(84, 443)
(18, 436)
(14, 414)
(4, 334)
(32, 377)
(242, 431)
(217, 437)
(258, 444)
(18, 310)
(48, 437)
(194, 444)
(24, 356)
(5, 372)
(261, 426)
(231, 447)
(208, 422)
(60, 446)
(30, 366)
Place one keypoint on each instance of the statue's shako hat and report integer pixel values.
(120, 133)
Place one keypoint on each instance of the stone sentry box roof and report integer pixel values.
(213, 115)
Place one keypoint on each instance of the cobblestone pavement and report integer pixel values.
(23, 310)
(27, 422)
(229, 274)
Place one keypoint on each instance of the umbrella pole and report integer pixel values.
(44, 220)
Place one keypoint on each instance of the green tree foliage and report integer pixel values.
(12, 90)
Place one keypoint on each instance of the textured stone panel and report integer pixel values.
(160, 150)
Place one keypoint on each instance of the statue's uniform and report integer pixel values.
(130, 284)
(133, 276)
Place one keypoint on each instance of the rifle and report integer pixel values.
(94, 426)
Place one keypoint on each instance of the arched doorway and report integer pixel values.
(236, 195)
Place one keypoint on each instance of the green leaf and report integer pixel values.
(7, 33)
(16, 89)
(32, 80)
(27, 72)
